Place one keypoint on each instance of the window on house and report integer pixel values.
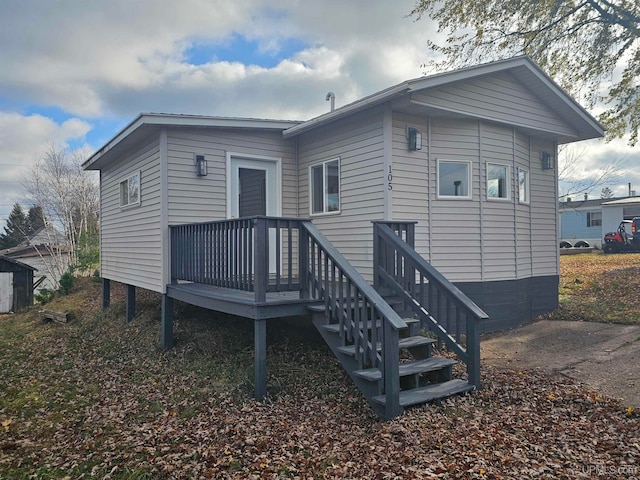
(130, 190)
(325, 187)
(594, 219)
(523, 186)
(497, 181)
(454, 179)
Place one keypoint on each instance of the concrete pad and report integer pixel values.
(605, 357)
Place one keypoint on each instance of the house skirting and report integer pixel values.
(511, 303)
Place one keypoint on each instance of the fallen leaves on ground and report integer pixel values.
(95, 398)
(596, 287)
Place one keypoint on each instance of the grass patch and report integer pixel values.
(595, 287)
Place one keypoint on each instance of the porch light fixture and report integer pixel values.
(201, 166)
(547, 161)
(415, 139)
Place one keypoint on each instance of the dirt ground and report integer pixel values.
(605, 357)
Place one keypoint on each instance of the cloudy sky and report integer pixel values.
(75, 72)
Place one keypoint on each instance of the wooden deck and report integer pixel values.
(239, 302)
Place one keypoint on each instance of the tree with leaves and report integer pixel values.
(590, 47)
(606, 193)
(15, 230)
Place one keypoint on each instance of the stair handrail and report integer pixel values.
(469, 355)
(392, 322)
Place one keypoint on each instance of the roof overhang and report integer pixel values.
(523, 69)
(145, 123)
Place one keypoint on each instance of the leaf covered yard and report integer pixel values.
(95, 398)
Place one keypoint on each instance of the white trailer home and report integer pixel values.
(266, 218)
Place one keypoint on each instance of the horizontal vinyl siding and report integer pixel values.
(410, 182)
(201, 199)
(500, 98)
(358, 141)
(544, 214)
(523, 211)
(131, 238)
(455, 225)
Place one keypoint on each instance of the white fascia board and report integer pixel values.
(173, 120)
(349, 109)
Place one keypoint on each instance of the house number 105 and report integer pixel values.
(390, 179)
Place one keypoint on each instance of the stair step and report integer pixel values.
(410, 368)
(320, 307)
(335, 327)
(408, 342)
(428, 393)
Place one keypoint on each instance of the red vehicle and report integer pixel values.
(621, 241)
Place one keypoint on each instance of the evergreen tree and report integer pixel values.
(606, 193)
(16, 228)
(35, 220)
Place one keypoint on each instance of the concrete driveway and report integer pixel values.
(604, 356)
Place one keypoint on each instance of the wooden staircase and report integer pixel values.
(386, 343)
(423, 377)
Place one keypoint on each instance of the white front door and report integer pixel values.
(6, 292)
(254, 189)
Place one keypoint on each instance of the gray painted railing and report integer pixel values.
(358, 309)
(254, 254)
(440, 305)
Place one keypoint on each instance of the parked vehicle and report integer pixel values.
(620, 240)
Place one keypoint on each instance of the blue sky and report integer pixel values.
(74, 73)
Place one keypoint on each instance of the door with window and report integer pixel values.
(254, 189)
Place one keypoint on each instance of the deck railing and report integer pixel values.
(440, 305)
(364, 318)
(254, 254)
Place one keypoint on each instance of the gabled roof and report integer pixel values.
(522, 68)
(141, 125)
(16, 262)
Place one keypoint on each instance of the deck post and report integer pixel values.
(131, 302)
(106, 293)
(303, 262)
(166, 334)
(260, 340)
(391, 372)
(261, 258)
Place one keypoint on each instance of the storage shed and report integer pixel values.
(16, 285)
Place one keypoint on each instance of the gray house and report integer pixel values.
(267, 218)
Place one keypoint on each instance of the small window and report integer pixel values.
(454, 179)
(130, 190)
(594, 219)
(325, 187)
(497, 181)
(523, 186)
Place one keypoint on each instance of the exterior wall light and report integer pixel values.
(415, 139)
(547, 161)
(201, 166)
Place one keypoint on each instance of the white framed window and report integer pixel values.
(498, 184)
(130, 190)
(594, 219)
(454, 179)
(324, 187)
(523, 186)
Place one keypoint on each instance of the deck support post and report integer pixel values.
(260, 340)
(131, 302)
(106, 293)
(166, 334)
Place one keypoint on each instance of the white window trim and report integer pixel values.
(469, 180)
(527, 199)
(507, 179)
(125, 206)
(324, 163)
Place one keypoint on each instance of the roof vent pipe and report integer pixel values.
(331, 96)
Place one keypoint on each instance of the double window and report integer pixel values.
(324, 180)
(130, 190)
